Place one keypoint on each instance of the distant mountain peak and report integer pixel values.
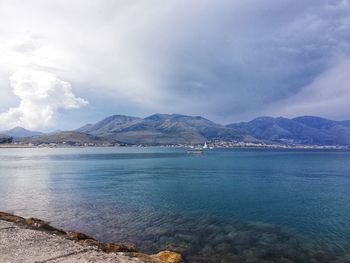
(173, 116)
(316, 122)
(119, 116)
(20, 132)
(160, 129)
(18, 129)
(263, 118)
(109, 124)
(161, 116)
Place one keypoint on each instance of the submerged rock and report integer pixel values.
(42, 225)
(90, 243)
(118, 247)
(77, 236)
(106, 247)
(161, 257)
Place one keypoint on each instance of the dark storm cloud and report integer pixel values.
(234, 63)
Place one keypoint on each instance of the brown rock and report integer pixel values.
(42, 225)
(77, 236)
(35, 222)
(118, 247)
(168, 257)
(11, 218)
(90, 243)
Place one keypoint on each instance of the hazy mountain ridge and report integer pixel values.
(301, 130)
(19, 132)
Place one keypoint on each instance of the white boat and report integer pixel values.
(198, 149)
(195, 150)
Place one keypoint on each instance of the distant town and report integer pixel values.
(211, 145)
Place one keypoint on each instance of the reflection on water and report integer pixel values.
(225, 206)
(20, 193)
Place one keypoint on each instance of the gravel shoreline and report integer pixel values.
(34, 240)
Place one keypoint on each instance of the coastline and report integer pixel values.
(34, 240)
(272, 146)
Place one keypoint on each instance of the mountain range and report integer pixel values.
(161, 129)
(301, 130)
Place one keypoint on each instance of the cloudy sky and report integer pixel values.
(66, 63)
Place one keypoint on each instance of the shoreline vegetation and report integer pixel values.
(127, 249)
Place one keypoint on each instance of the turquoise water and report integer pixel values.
(224, 206)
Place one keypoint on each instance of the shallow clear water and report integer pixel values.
(224, 206)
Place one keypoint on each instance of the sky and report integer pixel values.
(67, 63)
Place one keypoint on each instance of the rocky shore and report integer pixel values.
(34, 240)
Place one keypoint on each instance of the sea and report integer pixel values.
(226, 205)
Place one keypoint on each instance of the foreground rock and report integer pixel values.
(34, 240)
(167, 256)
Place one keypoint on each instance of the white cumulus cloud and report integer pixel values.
(41, 95)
